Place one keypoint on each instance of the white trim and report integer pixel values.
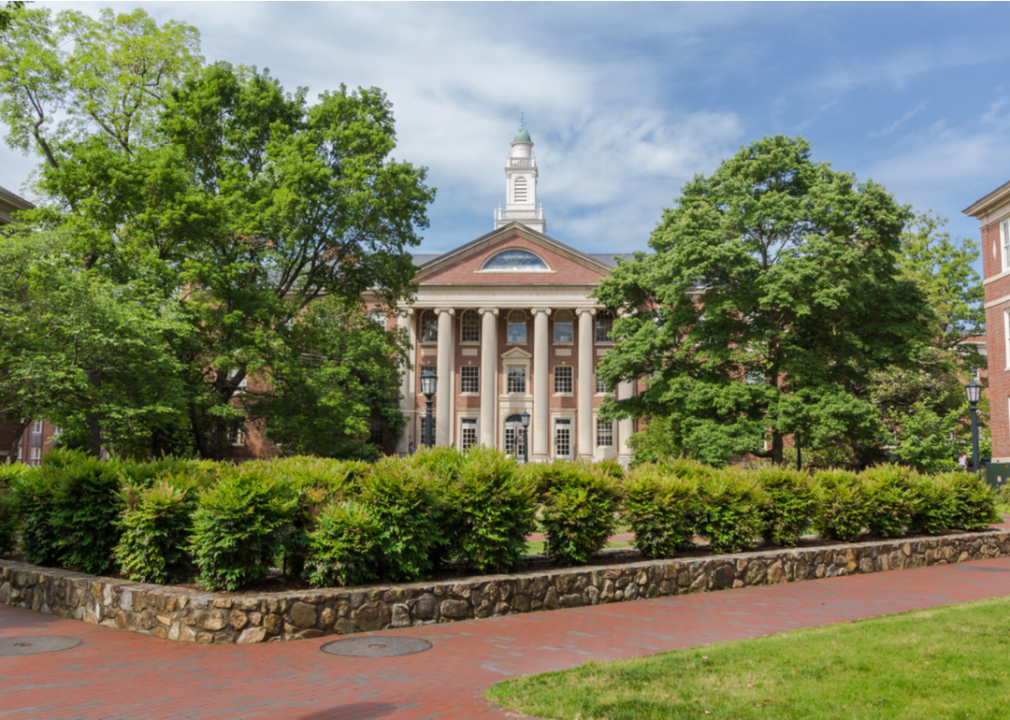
(997, 301)
(1006, 338)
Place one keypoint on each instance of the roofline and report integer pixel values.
(514, 225)
(978, 208)
(18, 202)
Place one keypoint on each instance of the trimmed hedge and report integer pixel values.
(401, 519)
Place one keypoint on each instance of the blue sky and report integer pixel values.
(625, 102)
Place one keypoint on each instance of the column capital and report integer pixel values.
(585, 311)
(545, 311)
(442, 311)
(485, 311)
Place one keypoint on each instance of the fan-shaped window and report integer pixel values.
(563, 327)
(520, 190)
(515, 260)
(429, 327)
(604, 326)
(517, 327)
(470, 327)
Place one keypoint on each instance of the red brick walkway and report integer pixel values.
(117, 674)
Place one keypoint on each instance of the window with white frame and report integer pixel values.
(604, 326)
(516, 379)
(604, 433)
(469, 379)
(563, 327)
(468, 433)
(511, 441)
(243, 383)
(36, 456)
(378, 317)
(562, 438)
(517, 327)
(1004, 231)
(236, 437)
(429, 327)
(37, 427)
(469, 327)
(601, 385)
(563, 379)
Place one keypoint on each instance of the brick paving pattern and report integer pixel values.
(116, 674)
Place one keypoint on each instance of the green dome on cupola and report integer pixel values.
(522, 136)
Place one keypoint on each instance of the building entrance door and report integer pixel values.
(514, 436)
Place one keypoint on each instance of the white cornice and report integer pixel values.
(991, 207)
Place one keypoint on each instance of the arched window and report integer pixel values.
(470, 327)
(515, 260)
(517, 327)
(429, 327)
(604, 326)
(520, 190)
(563, 327)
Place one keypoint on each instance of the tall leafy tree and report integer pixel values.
(772, 294)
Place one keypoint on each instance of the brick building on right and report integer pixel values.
(993, 213)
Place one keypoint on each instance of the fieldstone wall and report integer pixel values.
(190, 616)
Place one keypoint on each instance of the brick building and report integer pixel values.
(507, 323)
(993, 214)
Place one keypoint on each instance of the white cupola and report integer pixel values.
(521, 187)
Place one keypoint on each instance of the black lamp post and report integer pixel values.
(974, 391)
(526, 435)
(429, 381)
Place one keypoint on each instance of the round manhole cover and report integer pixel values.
(35, 645)
(376, 647)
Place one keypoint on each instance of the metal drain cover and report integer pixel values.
(35, 645)
(376, 647)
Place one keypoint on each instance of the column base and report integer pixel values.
(625, 460)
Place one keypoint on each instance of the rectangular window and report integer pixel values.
(1004, 231)
(517, 378)
(37, 427)
(563, 379)
(601, 386)
(36, 456)
(469, 379)
(562, 438)
(376, 436)
(236, 438)
(604, 433)
(511, 443)
(468, 437)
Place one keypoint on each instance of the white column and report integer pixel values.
(403, 322)
(624, 391)
(489, 377)
(587, 385)
(443, 393)
(541, 378)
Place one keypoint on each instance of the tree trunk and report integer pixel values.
(12, 451)
(778, 444)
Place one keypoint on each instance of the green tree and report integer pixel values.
(772, 294)
(213, 189)
(340, 375)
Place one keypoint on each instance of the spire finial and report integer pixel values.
(522, 121)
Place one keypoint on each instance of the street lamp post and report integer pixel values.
(974, 391)
(526, 435)
(429, 381)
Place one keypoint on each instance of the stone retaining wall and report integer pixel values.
(191, 616)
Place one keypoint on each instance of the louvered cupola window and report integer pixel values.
(520, 190)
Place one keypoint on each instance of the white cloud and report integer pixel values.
(899, 122)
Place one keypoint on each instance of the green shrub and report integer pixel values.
(730, 516)
(490, 509)
(239, 527)
(611, 468)
(789, 504)
(971, 504)
(891, 491)
(930, 507)
(32, 498)
(662, 510)
(9, 515)
(844, 505)
(156, 525)
(443, 463)
(344, 548)
(579, 504)
(405, 502)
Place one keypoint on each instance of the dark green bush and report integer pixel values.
(156, 525)
(789, 504)
(930, 507)
(9, 515)
(33, 498)
(730, 516)
(844, 505)
(891, 494)
(239, 527)
(578, 509)
(405, 502)
(344, 548)
(490, 509)
(612, 468)
(971, 504)
(661, 508)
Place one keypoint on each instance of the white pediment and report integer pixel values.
(516, 353)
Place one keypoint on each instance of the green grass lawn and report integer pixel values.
(951, 662)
